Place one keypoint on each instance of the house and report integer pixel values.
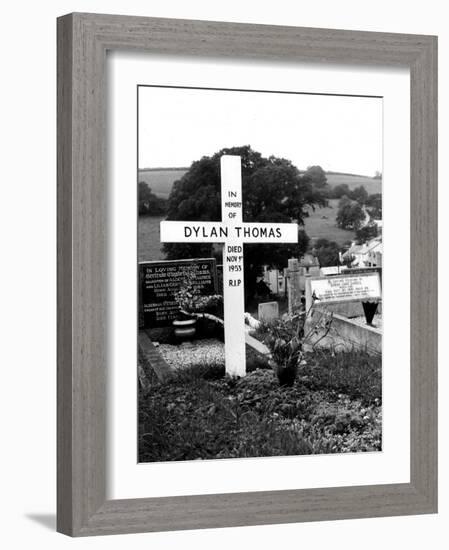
(375, 254)
(368, 254)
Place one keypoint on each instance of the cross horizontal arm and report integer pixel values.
(218, 232)
(198, 232)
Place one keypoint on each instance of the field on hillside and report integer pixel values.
(161, 180)
(321, 224)
(148, 239)
(370, 184)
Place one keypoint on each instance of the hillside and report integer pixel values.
(161, 180)
(322, 224)
(372, 185)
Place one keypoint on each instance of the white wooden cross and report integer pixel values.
(233, 233)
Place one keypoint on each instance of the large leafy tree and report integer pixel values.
(340, 190)
(366, 233)
(149, 203)
(317, 175)
(327, 252)
(359, 194)
(273, 191)
(374, 204)
(350, 214)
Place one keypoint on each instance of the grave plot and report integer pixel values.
(332, 296)
(168, 337)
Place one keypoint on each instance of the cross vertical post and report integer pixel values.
(233, 287)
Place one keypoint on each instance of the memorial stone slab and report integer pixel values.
(160, 280)
(268, 311)
(360, 287)
(343, 289)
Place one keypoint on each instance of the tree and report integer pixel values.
(348, 260)
(149, 203)
(359, 194)
(327, 252)
(340, 190)
(317, 175)
(273, 191)
(350, 214)
(374, 205)
(366, 233)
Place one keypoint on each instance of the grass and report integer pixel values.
(161, 180)
(322, 224)
(202, 414)
(149, 238)
(149, 246)
(372, 185)
(354, 373)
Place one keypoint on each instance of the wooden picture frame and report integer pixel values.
(83, 40)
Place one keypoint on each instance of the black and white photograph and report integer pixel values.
(259, 273)
(227, 241)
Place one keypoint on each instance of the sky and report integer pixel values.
(339, 133)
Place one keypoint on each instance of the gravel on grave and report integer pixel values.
(192, 353)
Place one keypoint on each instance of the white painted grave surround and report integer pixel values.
(233, 233)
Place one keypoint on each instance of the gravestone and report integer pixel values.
(233, 233)
(352, 308)
(323, 294)
(294, 292)
(160, 280)
(268, 311)
(348, 288)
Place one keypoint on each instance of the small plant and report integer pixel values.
(285, 338)
(194, 304)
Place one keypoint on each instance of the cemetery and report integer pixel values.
(300, 373)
